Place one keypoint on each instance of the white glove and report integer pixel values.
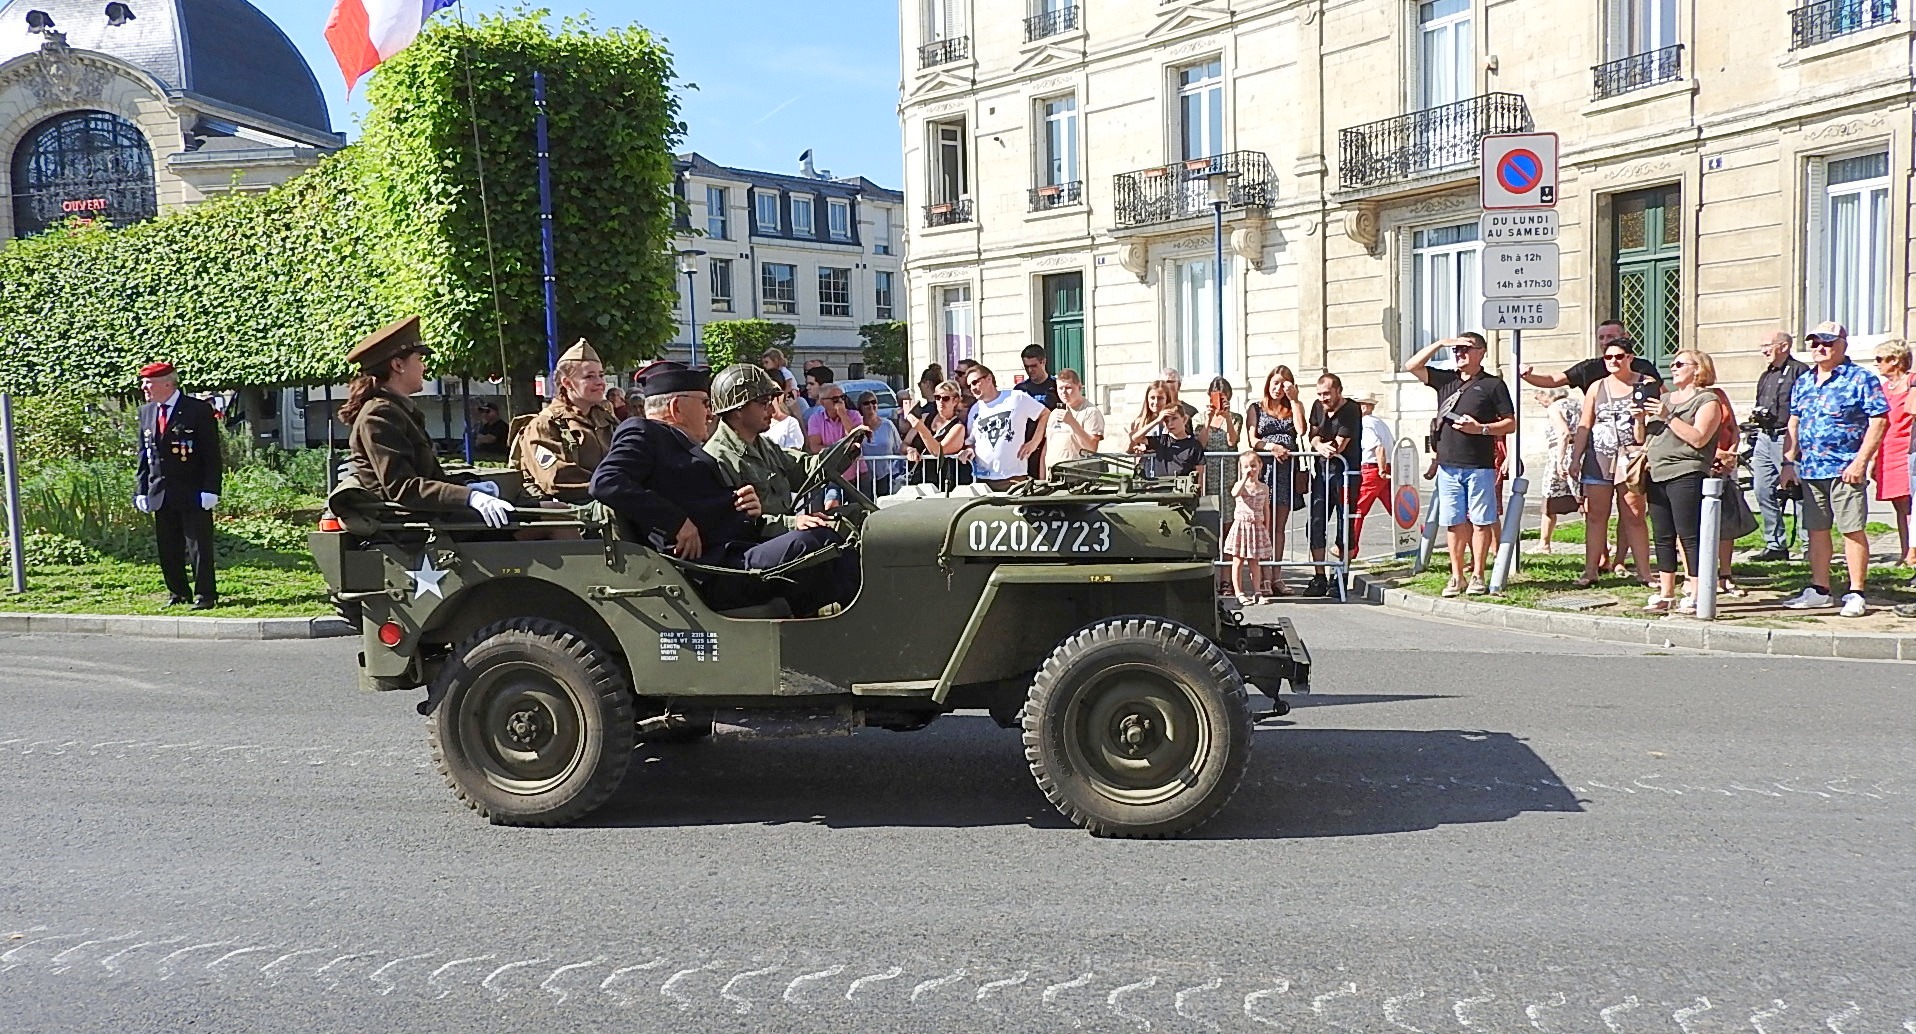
(142, 504)
(485, 486)
(208, 500)
(496, 512)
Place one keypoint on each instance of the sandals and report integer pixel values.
(1246, 601)
(1659, 605)
(1586, 583)
(1281, 589)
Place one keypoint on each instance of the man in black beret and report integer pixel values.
(674, 496)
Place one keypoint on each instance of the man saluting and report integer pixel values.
(179, 483)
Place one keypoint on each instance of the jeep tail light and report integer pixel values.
(390, 634)
(328, 522)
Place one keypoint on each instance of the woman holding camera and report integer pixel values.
(1681, 428)
(1607, 437)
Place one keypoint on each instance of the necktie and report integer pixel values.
(163, 408)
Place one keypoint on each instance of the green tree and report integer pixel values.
(887, 348)
(272, 288)
(726, 342)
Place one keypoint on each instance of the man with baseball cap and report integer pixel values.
(179, 483)
(1838, 416)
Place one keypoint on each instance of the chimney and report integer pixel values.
(805, 168)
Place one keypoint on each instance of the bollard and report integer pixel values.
(1429, 543)
(1512, 537)
(1707, 544)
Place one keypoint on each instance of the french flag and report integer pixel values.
(363, 33)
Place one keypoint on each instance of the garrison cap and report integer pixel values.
(582, 352)
(388, 342)
(669, 377)
(151, 370)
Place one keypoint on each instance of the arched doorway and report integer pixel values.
(90, 164)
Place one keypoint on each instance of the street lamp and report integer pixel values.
(1218, 185)
(688, 264)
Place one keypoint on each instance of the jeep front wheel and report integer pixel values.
(534, 725)
(1137, 727)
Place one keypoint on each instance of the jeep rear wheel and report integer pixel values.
(1137, 727)
(534, 725)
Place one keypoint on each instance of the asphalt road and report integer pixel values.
(1464, 830)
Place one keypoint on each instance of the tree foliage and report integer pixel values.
(742, 341)
(272, 288)
(887, 348)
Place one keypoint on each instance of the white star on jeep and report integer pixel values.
(426, 580)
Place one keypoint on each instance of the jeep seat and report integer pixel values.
(775, 609)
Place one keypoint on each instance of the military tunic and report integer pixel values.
(776, 473)
(392, 456)
(561, 447)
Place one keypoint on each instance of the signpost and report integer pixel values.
(1406, 501)
(1521, 265)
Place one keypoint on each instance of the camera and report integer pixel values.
(1645, 391)
(1763, 418)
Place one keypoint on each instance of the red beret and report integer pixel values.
(156, 370)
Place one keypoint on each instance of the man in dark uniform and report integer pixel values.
(677, 498)
(179, 483)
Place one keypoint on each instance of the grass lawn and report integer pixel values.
(255, 581)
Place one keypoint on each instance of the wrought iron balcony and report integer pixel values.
(1423, 142)
(1051, 23)
(1181, 191)
(1056, 195)
(944, 51)
(1822, 22)
(1614, 78)
(948, 213)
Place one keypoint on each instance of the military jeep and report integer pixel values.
(1080, 610)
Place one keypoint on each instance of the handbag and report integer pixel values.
(1558, 505)
(1737, 520)
(1636, 474)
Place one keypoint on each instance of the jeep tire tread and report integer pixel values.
(1138, 727)
(535, 723)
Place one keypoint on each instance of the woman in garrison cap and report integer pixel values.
(392, 456)
(566, 440)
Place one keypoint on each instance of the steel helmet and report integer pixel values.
(737, 385)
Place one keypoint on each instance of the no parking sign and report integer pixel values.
(1519, 170)
(1406, 498)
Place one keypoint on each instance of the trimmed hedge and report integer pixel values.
(272, 288)
(726, 342)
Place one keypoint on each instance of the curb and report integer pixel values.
(177, 628)
(1662, 632)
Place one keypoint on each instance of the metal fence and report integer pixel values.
(1824, 21)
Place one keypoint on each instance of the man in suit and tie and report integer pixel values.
(179, 483)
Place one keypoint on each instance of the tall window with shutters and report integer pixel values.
(1849, 242)
(1446, 296)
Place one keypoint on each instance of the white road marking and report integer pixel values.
(56, 960)
(1117, 1008)
(1629, 1002)
(433, 979)
(500, 994)
(669, 989)
(549, 987)
(851, 993)
(934, 984)
(1182, 1000)
(989, 988)
(619, 996)
(1393, 1009)
(1464, 1008)
(110, 959)
(392, 986)
(1776, 1009)
(267, 970)
(1282, 987)
(1535, 1011)
(741, 1004)
(1684, 1016)
(1835, 1020)
(243, 951)
(166, 971)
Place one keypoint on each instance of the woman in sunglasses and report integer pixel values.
(1607, 437)
(1681, 428)
(932, 445)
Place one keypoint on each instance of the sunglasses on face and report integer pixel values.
(1616, 357)
(1822, 343)
(947, 398)
(831, 398)
(1681, 364)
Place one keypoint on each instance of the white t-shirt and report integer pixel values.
(1060, 444)
(996, 430)
(1376, 436)
(786, 433)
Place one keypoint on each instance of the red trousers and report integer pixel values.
(1373, 489)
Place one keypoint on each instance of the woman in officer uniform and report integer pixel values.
(558, 450)
(392, 455)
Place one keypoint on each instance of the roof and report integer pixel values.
(223, 51)
(697, 164)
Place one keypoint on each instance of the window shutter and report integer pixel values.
(1407, 343)
(1815, 242)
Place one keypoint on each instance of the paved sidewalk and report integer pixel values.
(144, 627)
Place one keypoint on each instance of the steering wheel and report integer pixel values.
(832, 465)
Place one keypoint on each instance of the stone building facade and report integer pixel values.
(122, 109)
(1727, 170)
(823, 254)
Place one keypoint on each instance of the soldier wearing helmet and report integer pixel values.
(742, 396)
(558, 449)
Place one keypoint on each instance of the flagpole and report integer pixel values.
(545, 235)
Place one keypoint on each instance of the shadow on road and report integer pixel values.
(965, 771)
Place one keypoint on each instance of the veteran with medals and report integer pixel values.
(179, 483)
(558, 450)
(392, 455)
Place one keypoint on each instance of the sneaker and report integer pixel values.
(1454, 587)
(1475, 588)
(1771, 555)
(1808, 599)
(1318, 586)
(1853, 605)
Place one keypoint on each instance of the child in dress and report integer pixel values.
(1249, 539)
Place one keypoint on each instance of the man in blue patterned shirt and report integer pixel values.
(1837, 418)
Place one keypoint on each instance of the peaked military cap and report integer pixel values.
(668, 377)
(581, 352)
(388, 342)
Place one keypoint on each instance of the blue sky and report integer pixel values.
(773, 78)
